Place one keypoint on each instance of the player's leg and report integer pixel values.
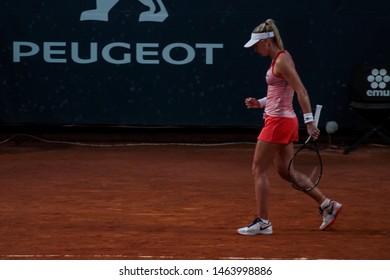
(263, 159)
(282, 160)
(329, 209)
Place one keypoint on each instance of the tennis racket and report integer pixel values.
(305, 167)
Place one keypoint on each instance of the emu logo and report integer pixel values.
(103, 7)
(378, 78)
(378, 81)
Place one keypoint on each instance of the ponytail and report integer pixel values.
(268, 26)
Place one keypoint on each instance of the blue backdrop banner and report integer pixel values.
(175, 62)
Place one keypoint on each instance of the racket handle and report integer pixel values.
(317, 114)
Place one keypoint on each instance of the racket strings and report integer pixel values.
(305, 170)
(303, 181)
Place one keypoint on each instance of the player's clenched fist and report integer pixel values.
(251, 103)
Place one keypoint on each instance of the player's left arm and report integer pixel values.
(285, 68)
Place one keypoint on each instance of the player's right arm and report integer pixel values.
(253, 103)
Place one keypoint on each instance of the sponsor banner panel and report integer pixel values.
(166, 62)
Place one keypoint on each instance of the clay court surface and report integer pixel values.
(182, 202)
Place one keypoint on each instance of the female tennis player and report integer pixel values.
(275, 141)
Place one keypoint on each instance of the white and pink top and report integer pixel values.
(279, 94)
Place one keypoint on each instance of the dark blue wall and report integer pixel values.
(201, 81)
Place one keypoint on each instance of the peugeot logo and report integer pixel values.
(157, 11)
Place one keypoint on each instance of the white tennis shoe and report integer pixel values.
(329, 214)
(258, 226)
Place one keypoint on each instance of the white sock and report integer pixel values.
(325, 204)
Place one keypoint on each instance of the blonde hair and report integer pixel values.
(268, 26)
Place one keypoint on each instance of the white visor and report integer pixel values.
(255, 37)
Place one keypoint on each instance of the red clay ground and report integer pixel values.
(182, 202)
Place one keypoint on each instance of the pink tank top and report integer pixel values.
(279, 94)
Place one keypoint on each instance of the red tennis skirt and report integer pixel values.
(279, 130)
